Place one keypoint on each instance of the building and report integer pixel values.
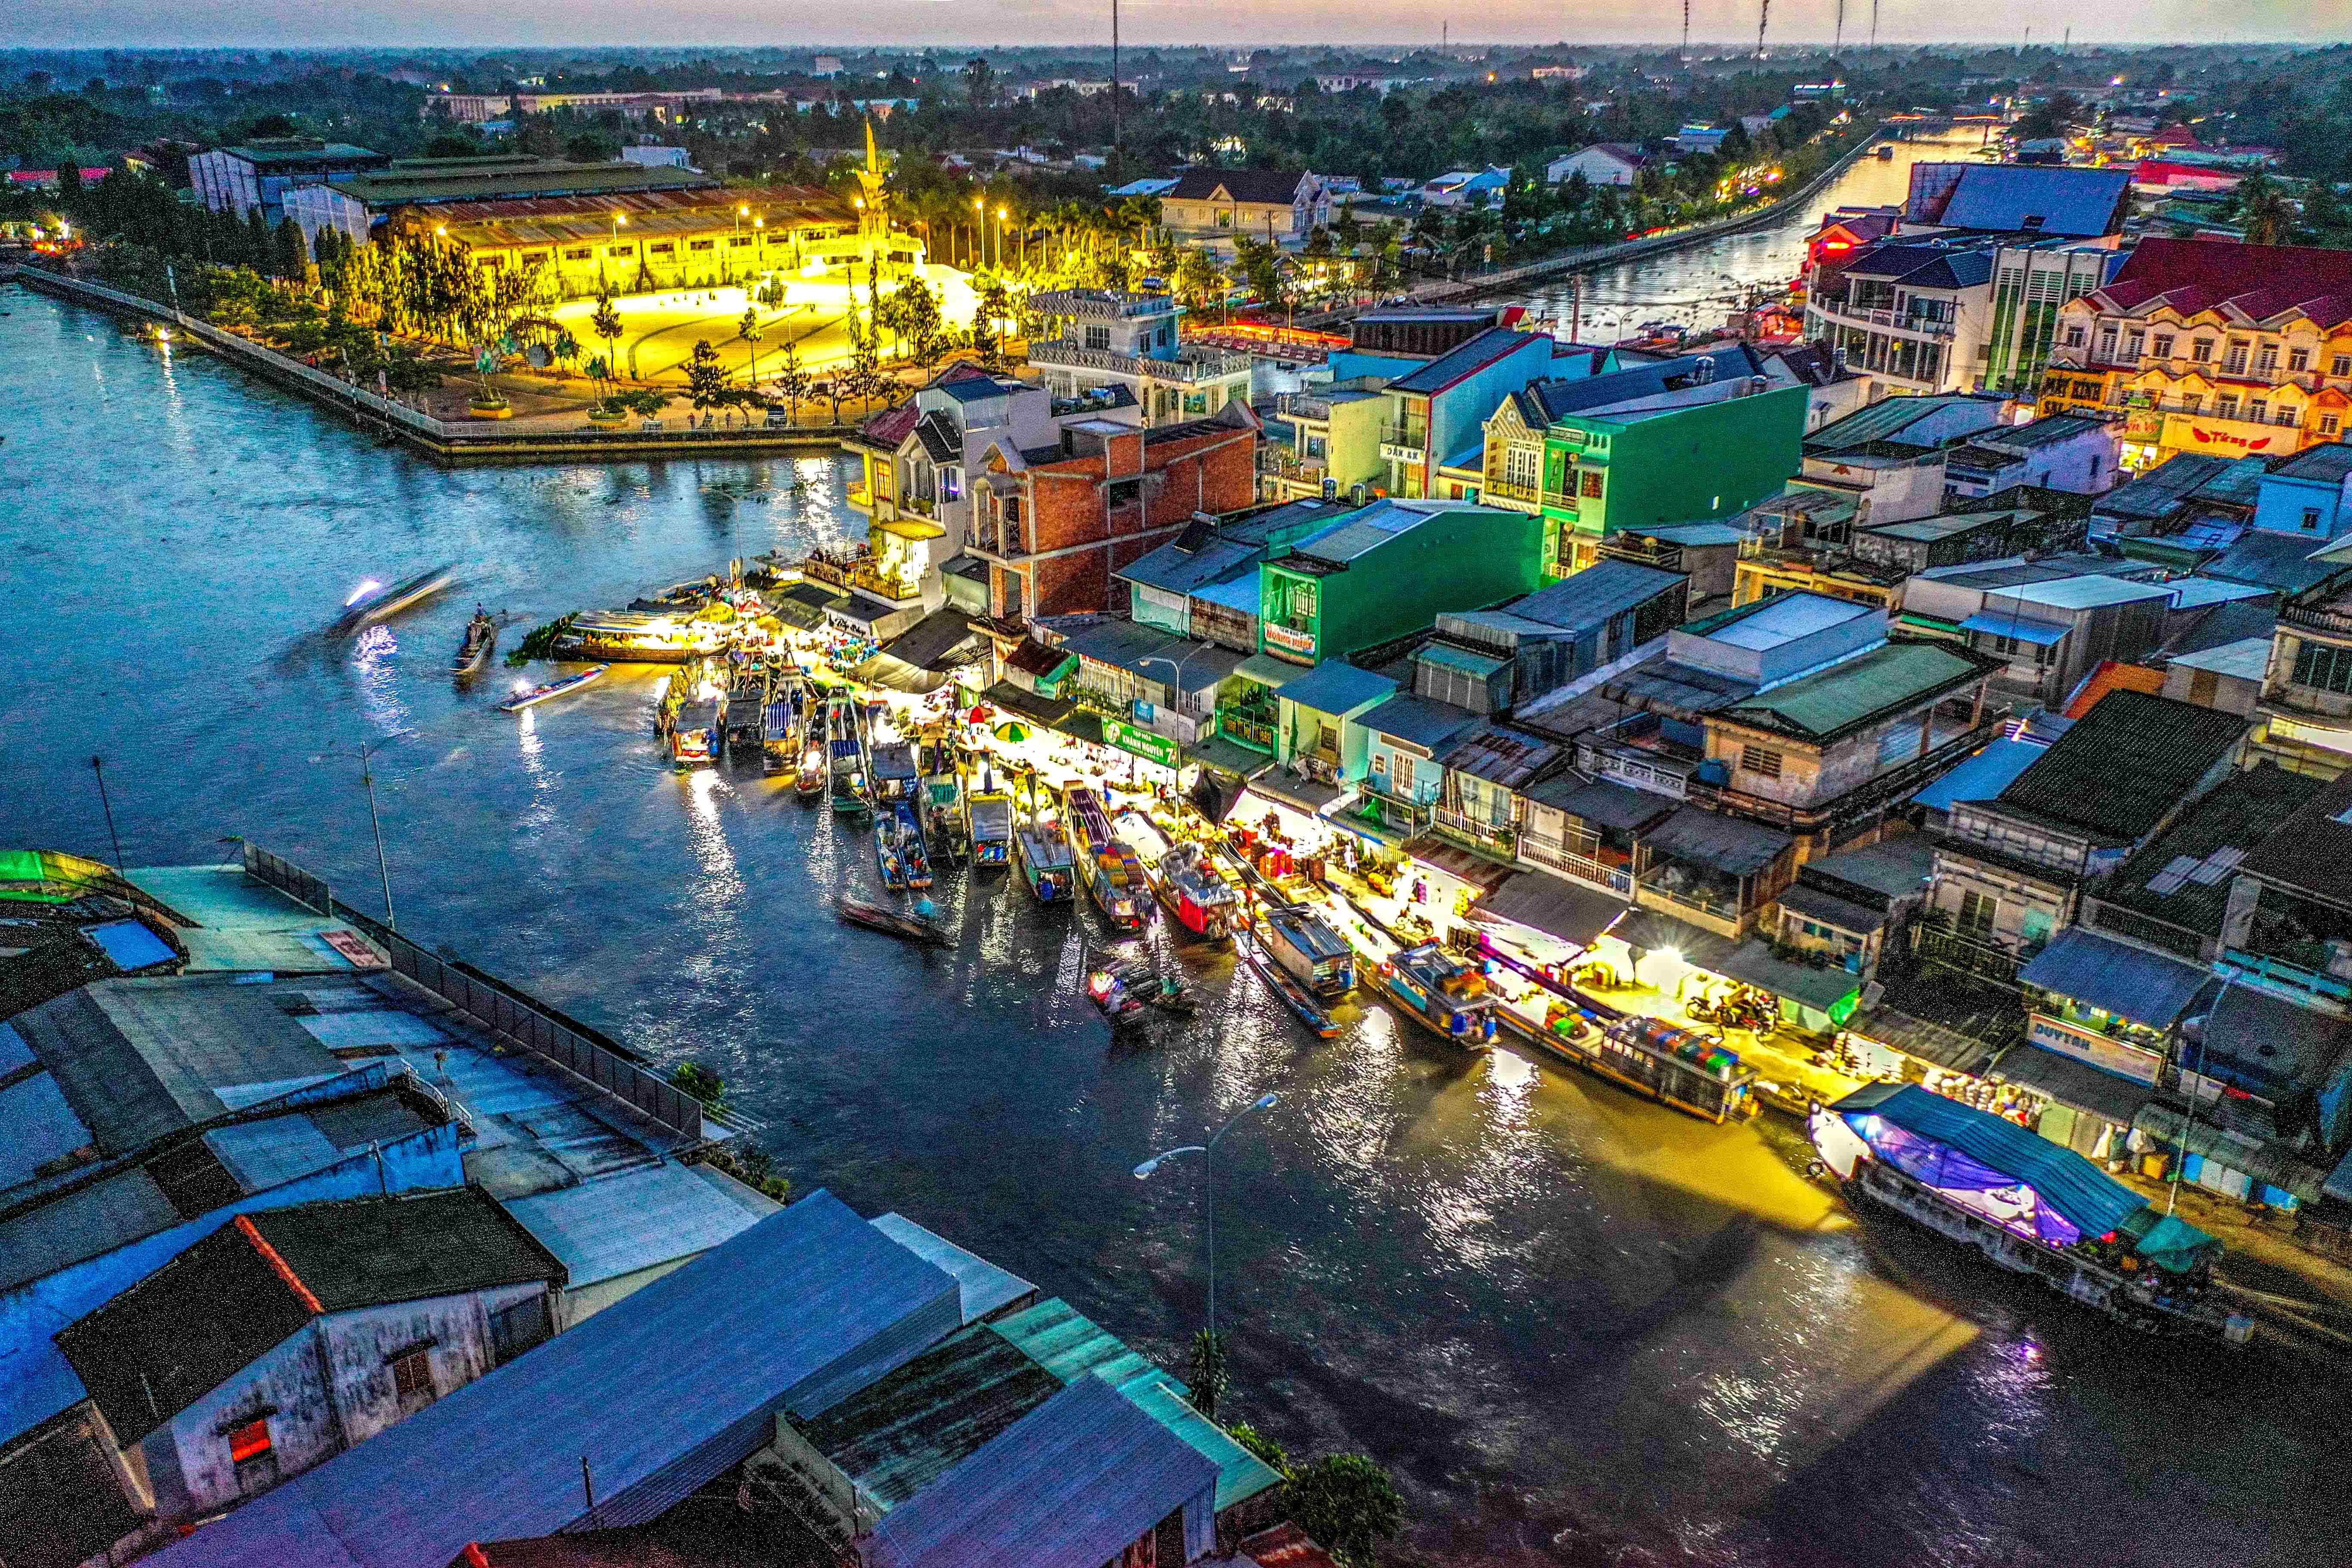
(1056, 521)
(2198, 504)
(287, 1337)
(1525, 650)
(2011, 870)
(236, 180)
(2058, 451)
(2280, 1035)
(2017, 199)
(1852, 907)
(2050, 622)
(1465, 188)
(1891, 457)
(1279, 208)
(920, 459)
(2304, 720)
(2214, 348)
(1602, 164)
(1204, 583)
(2309, 496)
(1108, 337)
(1437, 410)
(1316, 735)
(1386, 571)
(654, 157)
(1325, 440)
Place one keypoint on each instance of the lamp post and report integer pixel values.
(1208, 1152)
(1001, 216)
(366, 752)
(2201, 1025)
(980, 227)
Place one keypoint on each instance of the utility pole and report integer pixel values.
(1837, 37)
(1575, 306)
(1764, 15)
(98, 766)
(1114, 91)
(1874, 27)
(1686, 32)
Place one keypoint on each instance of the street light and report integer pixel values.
(1208, 1152)
(1000, 238)
(367, 778)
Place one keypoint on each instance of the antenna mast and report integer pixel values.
(1762, 17)
(1874, 27)
(1837, 38)
(1686, 32)
(1114, 89)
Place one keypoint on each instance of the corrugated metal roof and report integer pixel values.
(1501, 755)
(2125, 764)
(799, 1310)
(1571, 911)
(1883, 421)
(2086, 1196)
(1979, 776)
(898, 1436)
(1070, 1346)
(1756, 962)
(1585, 600)
(2128, 982)
(1469, 663)
(634, 1220)
(1335, 686)
(1726, 844)
(1494, 344)
(1419, 720)
(41, 1127)
(985, 1288)
(1885, 681)
(1069, 1485)
(1601, 802)
(1828, 909)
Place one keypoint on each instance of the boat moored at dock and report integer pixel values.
(844, 759)
(1112, 875)
(1288, 989)
(1442, 994)
(2029, 1205)
(1314, 954)
(1044, 854)
(637, 636)
(988, 826)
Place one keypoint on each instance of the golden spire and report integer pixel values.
(873, 163)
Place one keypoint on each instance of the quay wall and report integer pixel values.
(449, 442)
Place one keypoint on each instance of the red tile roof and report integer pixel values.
(1285, 1546)
(2260, 281)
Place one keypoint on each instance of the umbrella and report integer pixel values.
(1012, 732)
(979, 714)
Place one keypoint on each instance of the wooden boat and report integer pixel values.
(1190, 889)
(939, 802)
(1106, 989)
(537, 694)
(637, 636)
(2029, 1205)
(1044, 858)
(374, 603)
(889, 758)
(914, 850)
(1308, 950)
(988, 826)
(1292, 995)
(846, 767)
(889, 857)
(809, 785)
(481, 638)
(1112, 875)
(1442, 994)
(893, 922)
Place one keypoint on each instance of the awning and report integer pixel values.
(2128, 982)
(1570, 911)
(1726, 844)
(1829, 909)
(895, 674)
(2075, 1085)
(1028, 704)
(1299, 793)
(1474, 868)
(2267, 1161)
(911, 527)
(1652, 932)
(1228, 756)
(1267, 670)
(1823, 990)
(2089, 1198)
(2042, 634)
(1921, 1039)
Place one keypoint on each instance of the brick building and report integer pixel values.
(1053, 522)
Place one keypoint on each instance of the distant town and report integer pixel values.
(1801, 592)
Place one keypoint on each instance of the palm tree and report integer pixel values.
(606, 322)
(748, 329)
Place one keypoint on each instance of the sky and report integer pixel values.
(322, 23)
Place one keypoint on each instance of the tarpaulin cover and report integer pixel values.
(2174, 1245)
(1947, 1170)
(2068, 1183)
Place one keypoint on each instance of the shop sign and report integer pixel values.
(2189, 434)
(1140, 742)
(2090, 1045)
(1296, 641)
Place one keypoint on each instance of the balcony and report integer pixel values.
(860, 498)
(1404, 443)
(1842, 314)
(1506, 490)
(835, 564)
(866, 580)
(1491, 837)
(1687, 888)
(911, 504)
(1974, 955)
(1189, 365)
(1552, 855)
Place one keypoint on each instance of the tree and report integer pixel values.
(1210, 1379)
(994, 305)
(700, 1082)
(706, 377)
(293, 259)
(1348, 1504)
(792, 380)
(2262, 211)
(1195, 279)
(980, 81)
(1275, 1456)
(606, 322)
(748, 329)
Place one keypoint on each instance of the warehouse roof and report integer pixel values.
(1887, 680)
(435, 181)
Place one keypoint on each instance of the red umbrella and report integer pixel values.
(979, 714)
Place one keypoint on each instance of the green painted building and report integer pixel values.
(1390, 569)
(1645, 467)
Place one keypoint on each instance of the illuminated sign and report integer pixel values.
(1279, 636)
(1151, 747)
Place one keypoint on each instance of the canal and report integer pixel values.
(1579, 1329)
(1697, 286)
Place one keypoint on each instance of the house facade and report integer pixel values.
(1269, 204)
(1386, 570)
(1110, 337)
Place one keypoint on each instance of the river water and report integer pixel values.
(1578, 1328)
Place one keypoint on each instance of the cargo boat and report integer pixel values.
(988, 826)
(1691, 1071)
(890, 771)
(2029, 1205)
(845, 763)
(1044, 858)
(1442, 994)
(1111, 874)
(637, 636)
(1291, 994)
(1313, 954)
(1183, 878)
(779, 730)
(374, 603)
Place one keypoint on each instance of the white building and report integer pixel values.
(1112, 338)
(1602, 164)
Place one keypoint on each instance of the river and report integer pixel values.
(1697, 286)
(1578, 1328)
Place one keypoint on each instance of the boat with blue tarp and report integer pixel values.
(2029, 1205)
(1442, 994)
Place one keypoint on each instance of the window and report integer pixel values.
(620, 250)
(2135, 345)
(2192, 402)
(952, 484)
(2106, 341)
(256, 1460)
(2324, 667)
(2202, 686)
(698, 245)
(2330, 424)
(2201, 349)
(2268, 358)
(2235, 361)
(2339, 364)
(1587, 484)
(581, 254)
(739, 241)
(1099, 337)
(2282, 415)
(1977, 913)
(2259, 410)
(412, 1381)
(2164, 345)
(1400, 775)
(1761, 760)
(664, 248)
(2226, 405)
(516, 1329)
(1124, 492)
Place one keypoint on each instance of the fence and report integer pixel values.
(498, 1007)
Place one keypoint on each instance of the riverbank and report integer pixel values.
(527, 438)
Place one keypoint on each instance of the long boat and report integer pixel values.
(1683, 1068)
(375, 603)
(1312, 954)
(988, 826)
(890, 769)
(780, 734)
(939, 800)
(1112, 875)
(1442, 994)
(2029, 1205)
(481, 639)
(1292, 995)
(846, 765)
(914, 849)
(537, 694)
(889, 852)
(895, 922)
(695, 701)
(1044, 858)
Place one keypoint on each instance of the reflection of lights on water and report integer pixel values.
(377, 642)
(367, 586)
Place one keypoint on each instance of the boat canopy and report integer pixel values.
(1957, 1147)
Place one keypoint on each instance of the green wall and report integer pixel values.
(1684, 465)
(1462, 559)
